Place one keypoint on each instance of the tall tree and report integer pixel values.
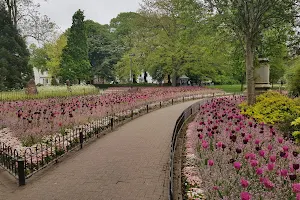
(173, 24)
(14, 55)
(75, 65)
(104, 50)
(247, 20)
(31, 24)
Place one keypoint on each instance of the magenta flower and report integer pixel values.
(252, 156)
(210, 162)
(298, 196)
(215, 188)
(268, 184)
(296, 187)
(262, 153)
(244, 183)
(270, 166)
(237, 165)
(280, 140)
(219, 144)
(285, 148)
(247, 156)
(270, 147)
(253, 163)
(283, 172)
(272, 158)
(257, 141)
(204, 144)
(245, 196)
(259, 171)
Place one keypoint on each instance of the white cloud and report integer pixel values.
(101, 11)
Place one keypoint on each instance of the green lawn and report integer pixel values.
(227, 88)
(237, 88)
(49, 92)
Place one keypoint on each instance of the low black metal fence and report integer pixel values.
(22, 164)
(185, 115)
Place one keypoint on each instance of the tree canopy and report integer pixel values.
(14, 55)
(75, 65)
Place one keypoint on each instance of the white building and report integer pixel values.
(41, 78)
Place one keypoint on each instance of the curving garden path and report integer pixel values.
(129, 163)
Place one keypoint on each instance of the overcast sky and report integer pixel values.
(101, 11)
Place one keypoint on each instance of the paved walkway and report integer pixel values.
(129, 163)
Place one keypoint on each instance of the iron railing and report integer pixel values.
(23, 164)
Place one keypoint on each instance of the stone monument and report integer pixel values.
(68, 86)
(31, 88)
(262, 76)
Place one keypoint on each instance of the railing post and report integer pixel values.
(112, 123)
(183, 99)
(147, 108)
(131, 114)
(159, 104)
(172, 102)
(213, 94)
(81, 139)
(21, 172)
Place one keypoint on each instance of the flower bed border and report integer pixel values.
(185, 115)
(22, 167)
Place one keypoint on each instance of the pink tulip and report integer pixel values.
(270, 166)
(259, 171)
(283, 172)
(280, 140)
(219, 144)
(244, 183)
(270, 147)
(210, 162)
(262, 153)
(268, 184)
(237, 165)
(204, 144)
(296, 187)
(285, 148)
(272, 158)
(245, 196)
(253, 163)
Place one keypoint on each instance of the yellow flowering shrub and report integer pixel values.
(272, 107)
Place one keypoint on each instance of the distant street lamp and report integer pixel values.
(131, 55)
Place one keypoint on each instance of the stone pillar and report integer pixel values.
(31, 88)
(262, 76)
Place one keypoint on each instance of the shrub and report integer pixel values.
(274, 108)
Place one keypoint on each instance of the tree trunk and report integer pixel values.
(174, 78)
(250, 72)
(242, 86)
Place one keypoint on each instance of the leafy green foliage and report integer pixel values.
(272, 107)
(296, 134)
(104, 50)
(14, 55)
(48, 57)
(75, 65)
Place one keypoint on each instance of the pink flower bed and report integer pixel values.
(229, 156)
(48, 119)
